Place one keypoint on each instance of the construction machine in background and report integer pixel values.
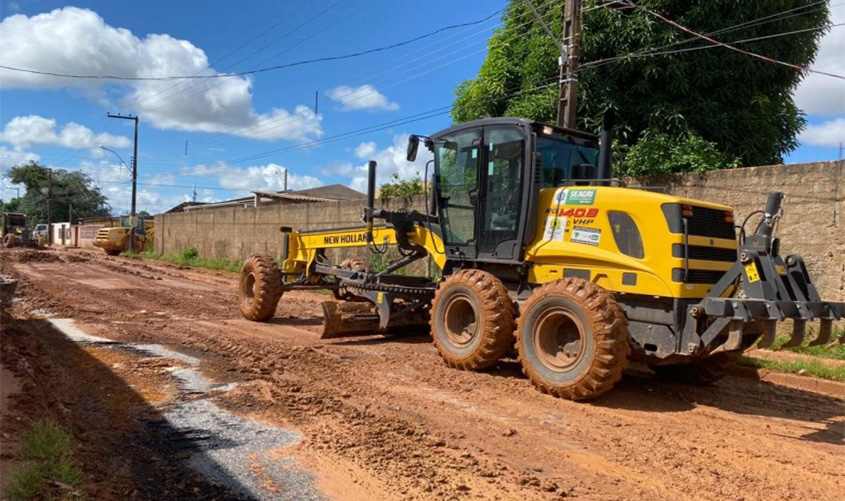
(114, 240)
(14, 230)
(538, 249)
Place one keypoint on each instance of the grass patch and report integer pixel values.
(190, 257)
(809, 367)
(835, 351)
(52, 474)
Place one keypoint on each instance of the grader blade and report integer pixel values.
(361, 319)
(825, 333)
(348, 319)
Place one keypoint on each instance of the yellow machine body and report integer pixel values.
(580, 237)
(574, 235)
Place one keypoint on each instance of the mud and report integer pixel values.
(383, 418)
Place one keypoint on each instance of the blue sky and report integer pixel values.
(243, 132)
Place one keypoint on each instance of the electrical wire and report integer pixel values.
(249, 72)
(603, 62)
(263, 128)
(731, 47)
(777, 17)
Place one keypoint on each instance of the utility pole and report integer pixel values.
(286, 179)
(567, 110)
(49, 203)
(132, 222)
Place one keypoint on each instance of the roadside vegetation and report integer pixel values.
(810, 367)
(819, 366)
(834, 350)
(51, 473)
(189, 257)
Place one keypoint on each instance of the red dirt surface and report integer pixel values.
(384, 418)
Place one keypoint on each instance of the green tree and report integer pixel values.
(397, 188)
(709, 107)
(68, 188)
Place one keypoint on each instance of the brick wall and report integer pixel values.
(812, 225)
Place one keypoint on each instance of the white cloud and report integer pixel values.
(364, 150)
(15, 156)
(822, 95)
(89, 46)
(365, 97)
(389, 161)
(26, 131)
(830, 133)
(269, 177)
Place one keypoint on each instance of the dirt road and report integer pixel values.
(383, 418)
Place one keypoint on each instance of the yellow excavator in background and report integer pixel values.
(538, 249)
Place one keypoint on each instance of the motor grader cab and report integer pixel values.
(13, 230)
(539, 250)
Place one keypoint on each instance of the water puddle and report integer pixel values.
(224, 448)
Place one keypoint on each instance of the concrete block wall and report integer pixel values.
(237, 233)
(812, 225)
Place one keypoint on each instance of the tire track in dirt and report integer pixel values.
(389, 410)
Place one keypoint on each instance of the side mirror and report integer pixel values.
(413, 146)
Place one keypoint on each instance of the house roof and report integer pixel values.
(181, 207)
(332, 192)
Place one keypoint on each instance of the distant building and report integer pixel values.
(181, 207)
(331, 193)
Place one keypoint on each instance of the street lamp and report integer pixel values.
(118, 157)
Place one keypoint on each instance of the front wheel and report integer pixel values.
(260, 288)
(472, 320)
(572, 339)
(9, 241)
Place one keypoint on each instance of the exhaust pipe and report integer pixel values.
(368, 211)
(605, 166)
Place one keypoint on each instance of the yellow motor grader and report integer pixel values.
(538, 249)
(14, 230)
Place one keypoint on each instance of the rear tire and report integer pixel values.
(9, 241)
(572, 339)
(472, 320)
(703, 373)
(260, 288)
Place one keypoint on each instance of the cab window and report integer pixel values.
(626, 234)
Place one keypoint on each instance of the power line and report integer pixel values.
(250, 72)
(169, 99)
(602, 62)
(731, 47)
(776, 17)
(265, 127)
(256, 37)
